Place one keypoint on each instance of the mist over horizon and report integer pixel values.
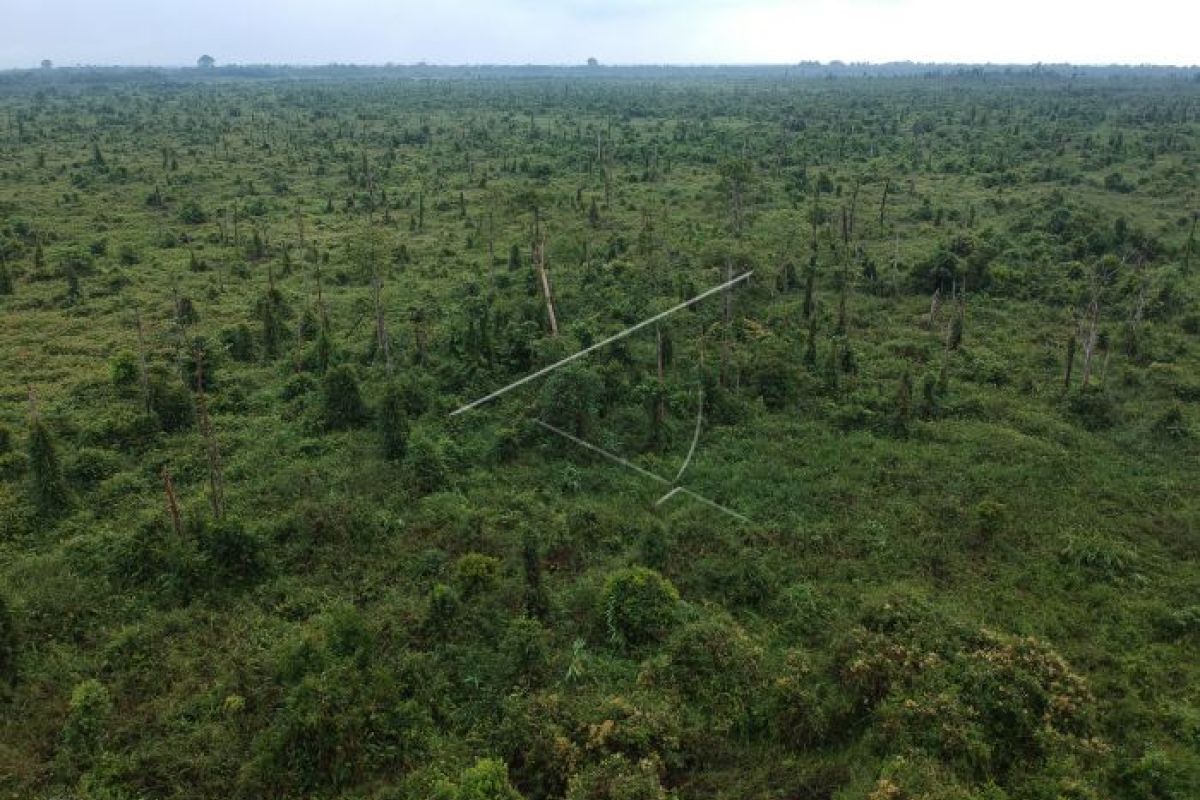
(625, 32)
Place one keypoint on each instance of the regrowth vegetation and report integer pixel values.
(246, 552)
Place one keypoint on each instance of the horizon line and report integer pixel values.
(426, 64)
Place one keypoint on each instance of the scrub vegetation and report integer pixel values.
(246, 552)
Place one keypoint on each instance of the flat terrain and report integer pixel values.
(246, 552)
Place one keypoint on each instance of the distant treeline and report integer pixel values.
(802, 70)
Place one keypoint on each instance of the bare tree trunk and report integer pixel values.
(1089, 340)
(381, 335)
(216, 481)
(540, 261)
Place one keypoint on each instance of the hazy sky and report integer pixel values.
(614, 31)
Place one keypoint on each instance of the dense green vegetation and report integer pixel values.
(246, 552)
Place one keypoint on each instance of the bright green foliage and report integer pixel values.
(48, 489)
(426, 462)
(475, 573)
(341, 400)
(487, 780)
(85, 730)
(638, 606)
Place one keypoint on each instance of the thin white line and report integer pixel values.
(600, 344)
(668, 495)
(695, 436)
(715, 505)
(605, 453)
(643, 472)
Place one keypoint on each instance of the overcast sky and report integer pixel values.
(614, 31)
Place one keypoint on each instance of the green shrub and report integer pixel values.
(443, 608)
(1098, 557)
(88, 466)
(426, 463)
(618, 777)
(805, 609)
(155, 558)
(85, 729)
(487, 780)
(638, 606)
(171, 404)
(1094, 409)
(336, 727)
(126, 373)
(343, 405)
(801, 714)
(48, 489)
(714, 663)
(1171, 425)
(393, 423)
(239, 343)
(475, 573)
(235, 556)
(524, 651)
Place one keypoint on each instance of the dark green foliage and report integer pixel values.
(342, 403)
(171, 404)
(571, 399)
(239, 343)
(88, 466)
(334, 728)
(9, 643)
(126, 374)
(235, 556)
(537, 601)
(186, 313)
(1094, 408)
(199, 365)
(393, 423)
(6, 280)
(190, 213)
(48, 489)
(638, 606)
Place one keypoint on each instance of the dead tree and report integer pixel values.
(382, 341)
(216, 480)
(539, 260)
(172, 501)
